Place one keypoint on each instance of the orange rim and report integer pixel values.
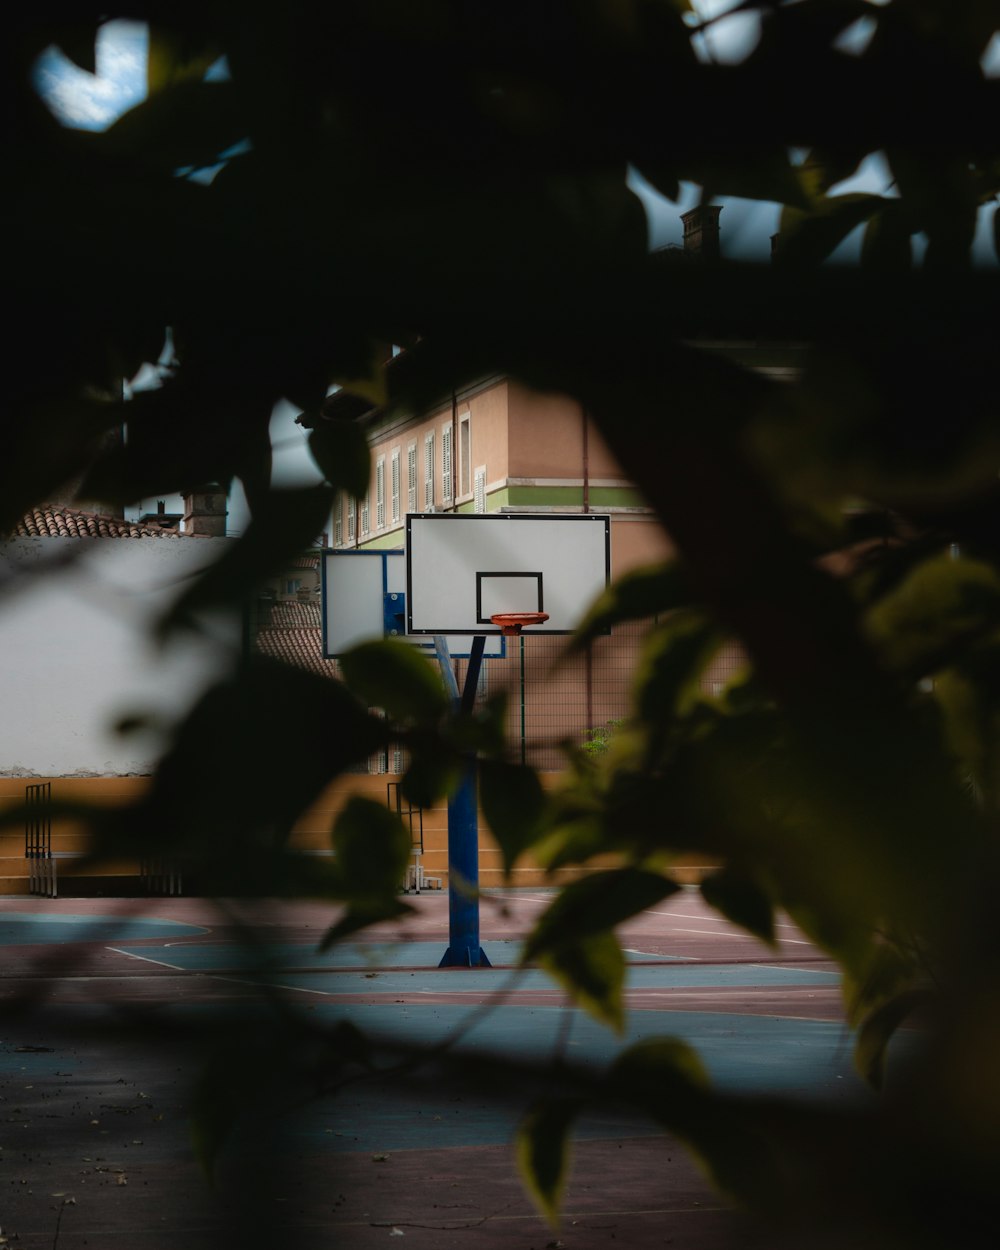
(511, 623)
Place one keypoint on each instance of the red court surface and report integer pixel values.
(106, 1027)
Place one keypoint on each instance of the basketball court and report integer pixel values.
(113, 1006)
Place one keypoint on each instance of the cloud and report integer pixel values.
(93, 101)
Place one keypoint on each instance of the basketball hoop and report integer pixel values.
(511, 623)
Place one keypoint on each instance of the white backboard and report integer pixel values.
(360, 591)
(463, 567)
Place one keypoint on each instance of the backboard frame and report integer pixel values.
(367, 620)
(462, 568)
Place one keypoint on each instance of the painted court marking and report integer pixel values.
(161, 963)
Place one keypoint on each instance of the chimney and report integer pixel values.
(265, 608)
(205, 511)
(701, 231)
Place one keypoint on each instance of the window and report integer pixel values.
(338, 521)
(429, 471)
(352, 511)
(380, 493)
(480, 491)
(411, 478)
(465, 455)
(366, 516)
(293, 585)
(394, 486)
(446, 485)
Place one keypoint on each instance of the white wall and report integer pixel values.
(75, 656)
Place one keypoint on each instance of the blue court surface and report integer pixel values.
(25, 929)
(388, 963)
(401, 1140)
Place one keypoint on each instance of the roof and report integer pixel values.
(56, 520)
(294, 635)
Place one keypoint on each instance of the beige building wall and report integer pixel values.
(547, 439)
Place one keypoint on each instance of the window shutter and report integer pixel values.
(446, 464)
(480, 491)
(429, 471)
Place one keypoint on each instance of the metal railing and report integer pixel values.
(413, 817)
(38, 838)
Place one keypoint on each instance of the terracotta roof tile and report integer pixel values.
(294, 635)
(294, 614)
(62, 521)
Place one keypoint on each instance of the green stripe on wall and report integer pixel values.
(572, 497)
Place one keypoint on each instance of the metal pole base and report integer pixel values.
(464, 957)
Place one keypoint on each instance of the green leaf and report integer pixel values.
(286, 523)
(661, 1070)
(373, 847)
(361, 914)
(674, 658)
(940, 604)
(763, 172)
(188, 124)
(808, 238)
(395, 677)
(80, 45)
(742, 900)
(595, 904)
(513, 801)
(592, 971)
(886, 247)
(878, 1030)
(543, 1152)
(341, 450)
(199, 427)
(637, 595)
(661, 175)
(176, 55)
(433, 772)
(887, 972)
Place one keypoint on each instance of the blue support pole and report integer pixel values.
(464, 950)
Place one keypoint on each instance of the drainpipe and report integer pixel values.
(454, 451)
(589, 653)
(586, 461)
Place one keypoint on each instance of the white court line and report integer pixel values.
(271, 985)
(736, 933)
(162, 963)
(823, 972)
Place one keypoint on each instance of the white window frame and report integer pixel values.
(429, 471)
(411, 477)
(351, 517)
(479, 489)
(447, 460)
(465, 455)
(380, 493)
(394, 484)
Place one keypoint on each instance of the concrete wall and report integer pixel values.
(312, 832)
(75, 656)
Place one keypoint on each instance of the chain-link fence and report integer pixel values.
(555, 694)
